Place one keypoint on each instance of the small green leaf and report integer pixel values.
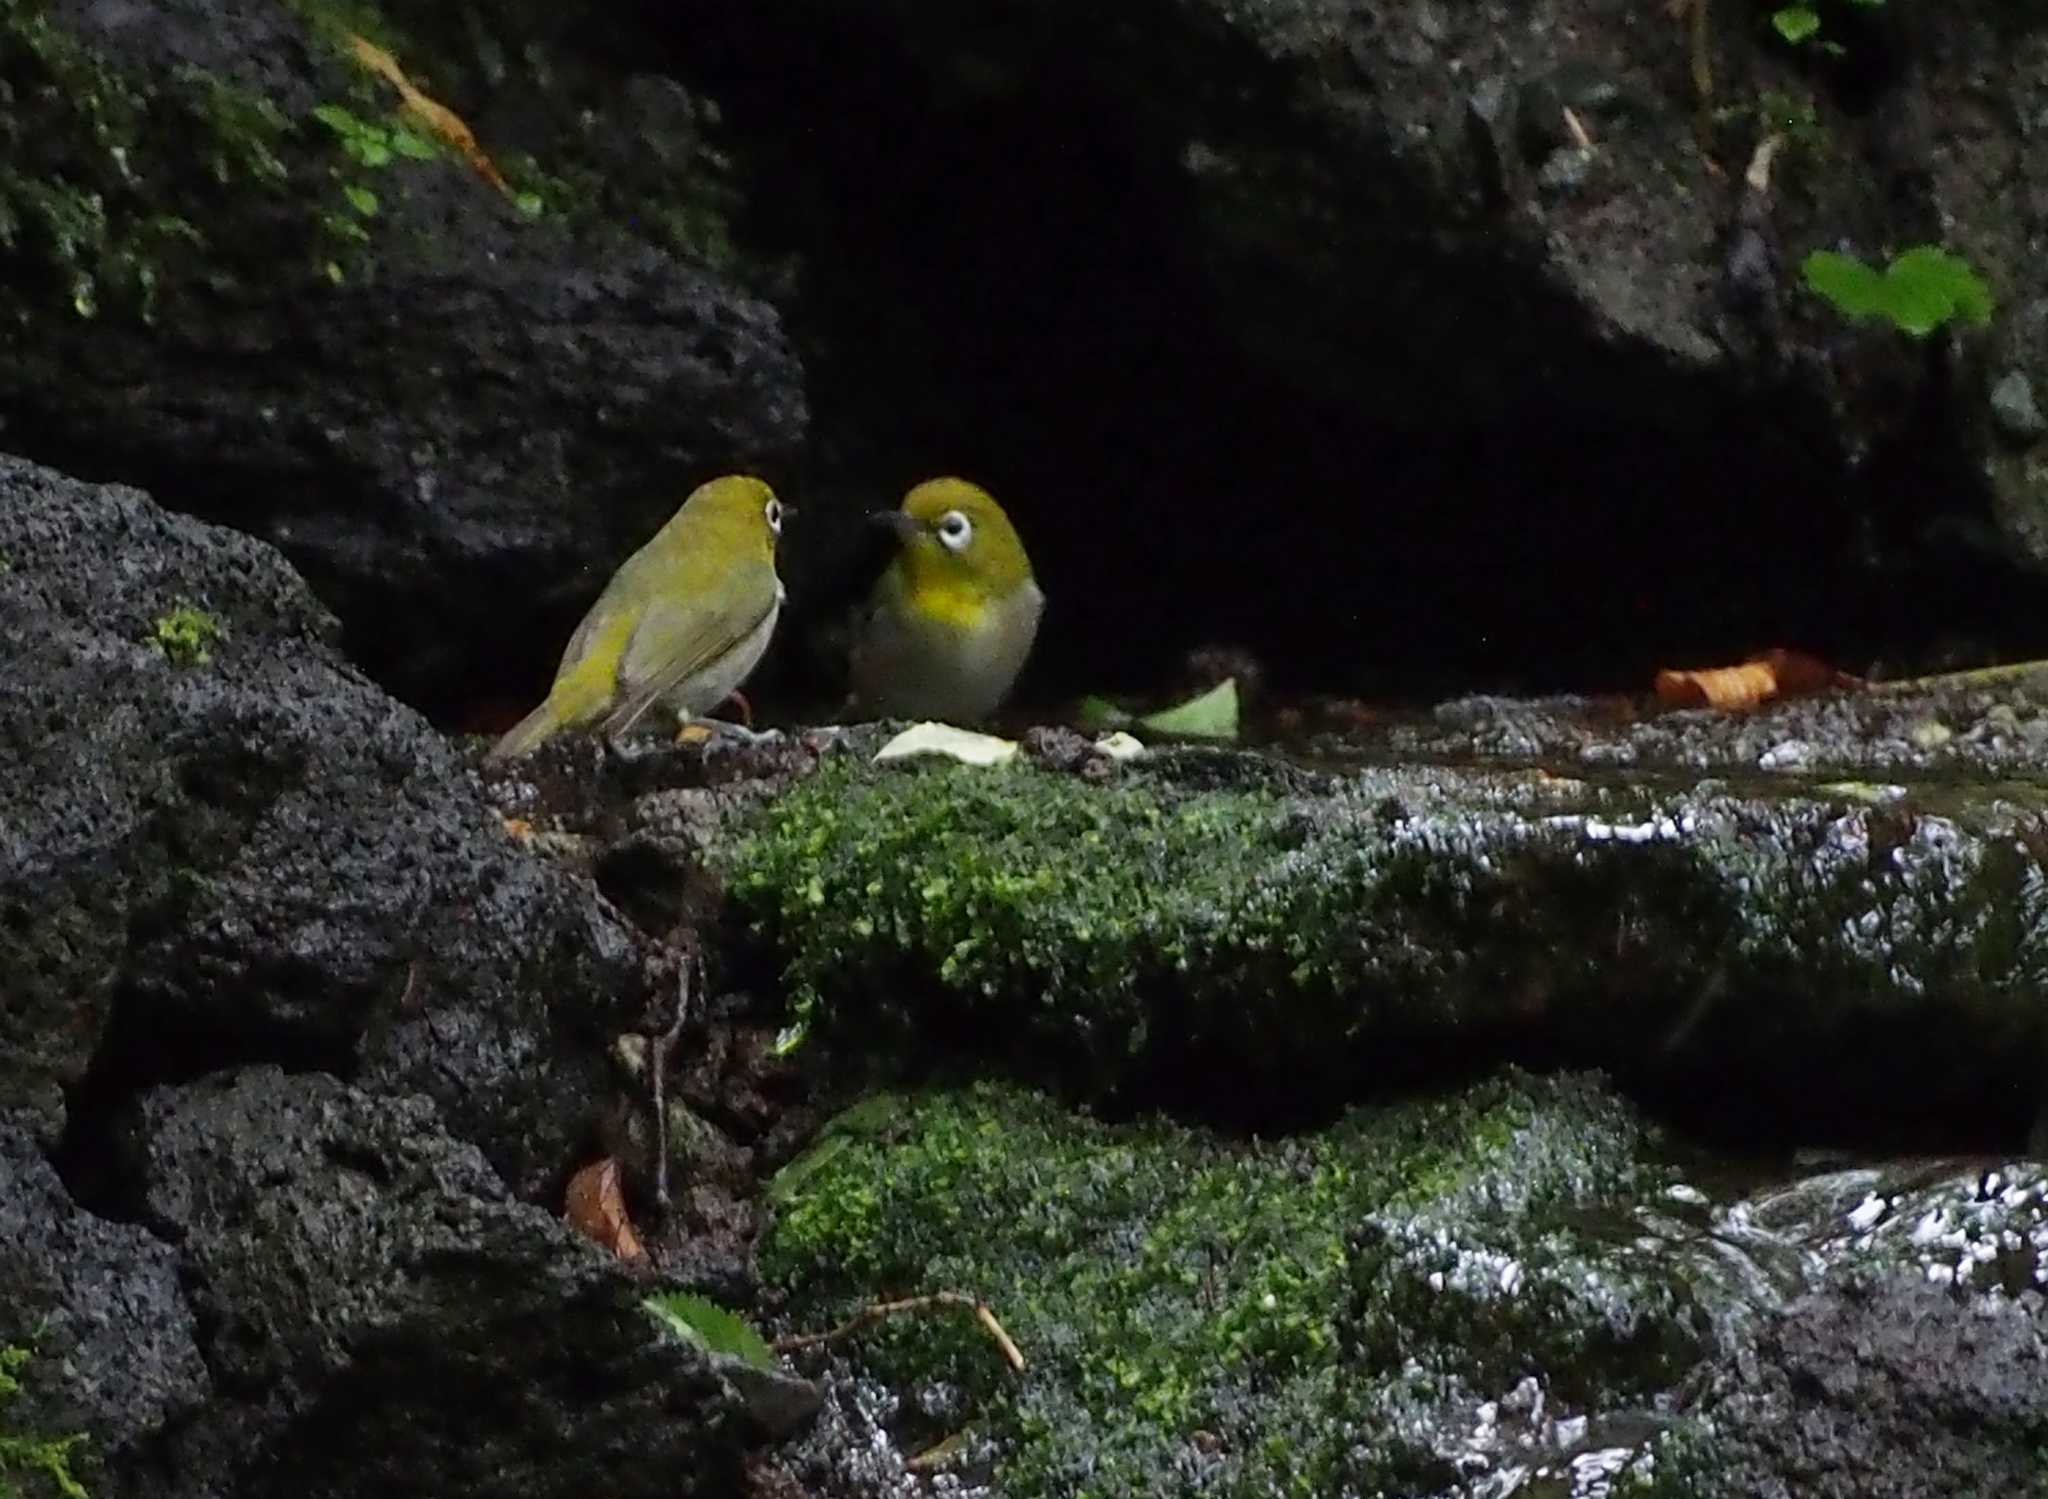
(411, 144)
(530, 204)
(1096, 713)
(1942, 282)
(360, 198)
(370, 150)
(337, 119)
(1854, 288)
(1795, 23)
(707, 1325)
(334, 272)
(1213, 715)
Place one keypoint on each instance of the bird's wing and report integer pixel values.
(676, 638)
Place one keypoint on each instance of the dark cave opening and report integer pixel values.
(997, 285)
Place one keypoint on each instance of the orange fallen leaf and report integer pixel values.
(436, 116)
(596, 1206)
(1776, 673)
(692, 733)
(517, 827)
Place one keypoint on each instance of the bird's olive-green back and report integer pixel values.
(700, 586)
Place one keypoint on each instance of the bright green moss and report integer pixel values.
(31, 1464)
(1296, 948)
(1265, 1312)
(185, 636)
(1024, 896)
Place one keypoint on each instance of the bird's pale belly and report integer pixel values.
(911, 667)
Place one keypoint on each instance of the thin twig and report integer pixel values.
(657, 1068)
(1576, 130)
(876, 1311)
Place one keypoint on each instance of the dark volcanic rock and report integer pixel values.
(381, 1316)
(259, 856)
(1892, 1390)
(114, 1342)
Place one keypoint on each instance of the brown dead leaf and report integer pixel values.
(1774, 674)
(692, 733)
(516, 827)
(436, 116)
(596, 1206)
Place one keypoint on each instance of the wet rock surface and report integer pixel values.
(1516, 1287)
(1251, 941)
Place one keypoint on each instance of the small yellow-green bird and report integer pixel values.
(682, 622)
(950, 622)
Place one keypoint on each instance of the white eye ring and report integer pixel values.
(955, 531)
(773, 511)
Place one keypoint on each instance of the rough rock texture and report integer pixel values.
(291, 1012)
(380, 1315)
(116, 1347)
(430, 399)
(259, 856)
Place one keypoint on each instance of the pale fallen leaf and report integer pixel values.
(1213, 715)
(964, 745)
(1119, 746)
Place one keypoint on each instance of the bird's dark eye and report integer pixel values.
(774, 513)
(955, 530)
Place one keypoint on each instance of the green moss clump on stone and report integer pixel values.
(32, 1464)
(1309, 942)
(1283, 1317)
(185, 636)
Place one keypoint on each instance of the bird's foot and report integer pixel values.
(701, 730)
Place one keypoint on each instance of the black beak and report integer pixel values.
(895, 520)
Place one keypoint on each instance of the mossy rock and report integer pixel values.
(1313, 1315)
(1274, 951)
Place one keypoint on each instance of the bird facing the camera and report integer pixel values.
(682, 622)
(949, 624)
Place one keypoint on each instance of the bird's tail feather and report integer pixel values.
(524, 736)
